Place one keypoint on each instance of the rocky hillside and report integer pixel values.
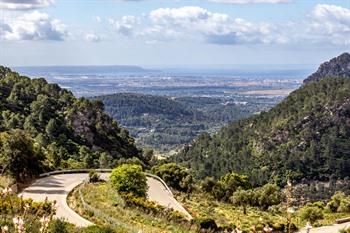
(63, 131)
(306, 136)
(336, 67)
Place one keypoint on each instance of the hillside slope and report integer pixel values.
(125, 106)
(336, 67)
(69, 132)
(306, 136)
(165, 123)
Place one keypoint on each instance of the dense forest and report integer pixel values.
(305, 136)
(165, 122)
(43, 126)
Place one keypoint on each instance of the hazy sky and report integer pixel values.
(172, 32)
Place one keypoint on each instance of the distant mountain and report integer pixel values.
(306, 136)
(165, 123)
(336, 67)
(67, 132)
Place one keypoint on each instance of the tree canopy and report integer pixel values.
(69, 132)
(175, 176)
(129, 179)
(306, 136)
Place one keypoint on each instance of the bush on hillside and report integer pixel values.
(311, 213)
(94, 177)
(243, 198)
(208, 184)
(263, 197)
(267, 196)
(175, 176)
(133, 160)
(58, 226)
(129, 179)
(98, 229)
(226, 185)
(339, 203)
(207, 224)
(20, 157)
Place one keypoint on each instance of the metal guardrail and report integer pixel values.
(160, 180)
(342, 220)
(72, 171)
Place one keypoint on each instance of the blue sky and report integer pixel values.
(171, 33)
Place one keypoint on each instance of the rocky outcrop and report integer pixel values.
(336, 67)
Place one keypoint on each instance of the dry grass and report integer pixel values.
(104, 198)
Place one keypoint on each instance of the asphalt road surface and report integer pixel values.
(328, 229)
(57, 187)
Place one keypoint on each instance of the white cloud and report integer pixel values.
(24, 4)
(92, 37)
(196, 23)
(186, 22)
(33, 26)
(125, 25)
(98, 19)
(325, 24)
(330, 23)
(249, 1)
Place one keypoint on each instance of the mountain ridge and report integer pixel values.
(336, 67)
(303, 137)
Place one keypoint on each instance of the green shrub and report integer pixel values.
(275, 209)
(232, 181)
(243, 198)
(332, 206)
(344, 206)
(339, 203)
(208, 184)
(207, 224)
(129, 179)
(267, 196)
(319, 204)
(225, 186)
(311, 213)
(98, 229)
(263, 197)
(133, 160)
(219, 191)
(94, 177)
(20, 157)
(11, 204)
(175, 176)
(279, 226)
(58, 226)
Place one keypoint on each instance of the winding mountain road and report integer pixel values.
(328, 229)
(57, 187)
